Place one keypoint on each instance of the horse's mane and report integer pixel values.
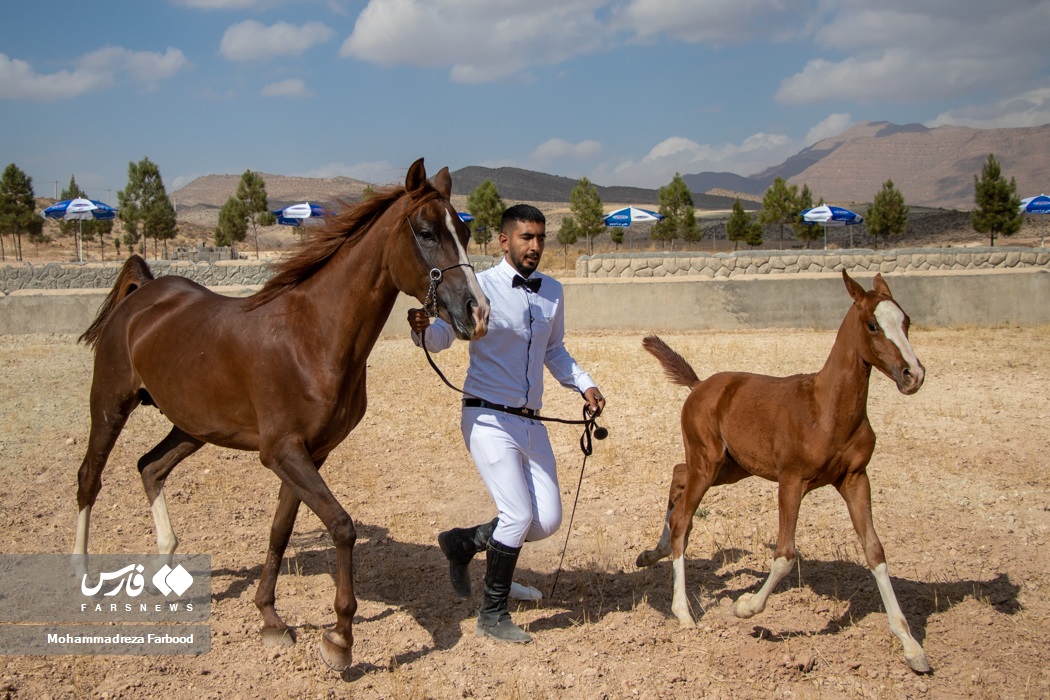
(345, 227)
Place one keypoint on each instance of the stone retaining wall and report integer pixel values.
(770, 262)
(226, 273)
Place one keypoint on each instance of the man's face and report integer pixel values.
(523, 245)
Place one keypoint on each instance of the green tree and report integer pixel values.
(779, 206)
(233, 223)
(89, 229)
(568, 234)
(754, 234)
(144, 203)
(616, 234)
(887, 216)
(676, 206)
(738, 224)
(998, 206)
(252, 192)
(17, 208)
(803, 231)
(368, 192)
(486, 206)
(587, 212)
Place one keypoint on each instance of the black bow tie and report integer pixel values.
(532, 283)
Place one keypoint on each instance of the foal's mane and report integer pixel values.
(347, 226)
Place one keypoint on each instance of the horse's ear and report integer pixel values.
(416, 176)
(443, 182)
(881, 287)
(855, 290)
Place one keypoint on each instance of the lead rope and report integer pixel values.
(586, 445)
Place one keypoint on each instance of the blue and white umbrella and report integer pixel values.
(79, 209)
(631, 215)
(1039, 204)
(464, 216)
(827, 215)
(297, 213)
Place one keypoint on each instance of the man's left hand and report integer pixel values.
(595, 401)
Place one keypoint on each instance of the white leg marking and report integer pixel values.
(680, 602)
(83, 522)
(749, 605)
(913, 651)
(482, 311)
(166, 540)
(663, 547)
(891, 320)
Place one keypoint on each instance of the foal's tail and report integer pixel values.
(133, 275)
(675, 367)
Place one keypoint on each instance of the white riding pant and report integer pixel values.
(515, 460)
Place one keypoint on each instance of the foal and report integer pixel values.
(803, 431)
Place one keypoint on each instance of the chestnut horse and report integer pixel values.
(281, 372)
(803, 431)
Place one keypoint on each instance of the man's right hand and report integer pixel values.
(418, 320)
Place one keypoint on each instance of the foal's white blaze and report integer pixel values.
(891, 320)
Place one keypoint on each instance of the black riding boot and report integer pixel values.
(494, 614)
(459, 545)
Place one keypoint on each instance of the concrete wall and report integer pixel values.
(932, 299)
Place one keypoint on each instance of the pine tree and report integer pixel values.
(486, 206)
(998, 206)
(887, 216)
(17, 208)
(676, 206)
(252, 192)
(568, 234)
(803, 231)
(587, 212)
(233, 223)
(779, 206)
(144, 202)
(738, 224)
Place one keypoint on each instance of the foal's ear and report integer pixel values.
(416, 176)
(881, 287)
(443, 183)
(855, 290)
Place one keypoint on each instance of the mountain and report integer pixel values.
(518, 185)
(212, 191)
(930, 167)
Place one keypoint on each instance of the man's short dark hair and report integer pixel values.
(521, 212)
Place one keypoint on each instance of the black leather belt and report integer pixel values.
(482, 403)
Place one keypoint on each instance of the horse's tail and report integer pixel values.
(133, 275)
(675, 367)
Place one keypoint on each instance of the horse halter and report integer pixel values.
(436, 273)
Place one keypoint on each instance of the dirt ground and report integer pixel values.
(961, 502)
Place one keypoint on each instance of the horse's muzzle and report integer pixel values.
(910, 379)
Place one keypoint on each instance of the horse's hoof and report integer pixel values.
(335, 651)
(918, 663)
(272, 637)
(741, 609)
(645, 559)
(686, 623)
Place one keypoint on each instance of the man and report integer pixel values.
(504, 385)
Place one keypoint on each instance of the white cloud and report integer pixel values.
(293, 87)
(478, 40)
(1030, 108)
(833, 125)
(920, 50)
(252, 41)
(716, 22)
(98, 70)
(560, 149)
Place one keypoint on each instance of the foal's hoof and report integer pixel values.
(272, 637)
(741, 608)
(918, 663)
(335, 651)
(646, 558)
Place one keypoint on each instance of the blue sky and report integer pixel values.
(625, 92)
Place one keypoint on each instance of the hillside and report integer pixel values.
(212, 191)
(931, 167)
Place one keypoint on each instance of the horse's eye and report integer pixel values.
(872, 326)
